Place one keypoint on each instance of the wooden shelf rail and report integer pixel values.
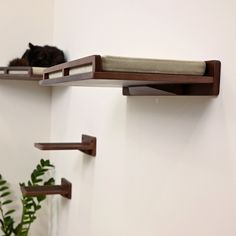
(64, 190)
(88, 145)
(19, 73)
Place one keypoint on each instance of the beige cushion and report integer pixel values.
(38, 70)
(127, 64)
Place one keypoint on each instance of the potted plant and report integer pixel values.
(30, 205)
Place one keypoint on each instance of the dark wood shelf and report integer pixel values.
(19, 73)
(133, 83)
(88, 145)
(64, 190)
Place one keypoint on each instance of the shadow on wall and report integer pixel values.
(166, 123)
(82, 195)
(179, 169)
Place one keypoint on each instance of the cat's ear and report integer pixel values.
(31, 46)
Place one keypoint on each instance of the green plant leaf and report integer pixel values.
(42, 162)
(3, 188)
(8, 220)
(38, 180)
(6, 202)
(39, 167)
(47, 163)
(2, 182)
(30, 212)
(41, 198)
(40, 173)
(27, 222)
(32, 204)
(32, 177)
(51, 181)
(29, 206)
(9, 212)
(38, 207)
(5, 194)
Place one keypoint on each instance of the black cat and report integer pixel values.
(37, 56)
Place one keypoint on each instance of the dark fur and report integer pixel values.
(18, 62)
(38, 56)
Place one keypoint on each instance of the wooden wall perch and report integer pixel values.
(88, 145)
(64, 190)
(92, 72)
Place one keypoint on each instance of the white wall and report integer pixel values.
(24, 119)
(23, 22)
(164, 166)
(25, 106)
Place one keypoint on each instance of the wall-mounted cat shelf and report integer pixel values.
(21, 73)
(64, 189)
(88, 145)
(138, 76)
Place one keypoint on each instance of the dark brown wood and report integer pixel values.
(137, 83)
(11, 73)
(152, 90)
(122, 79)
(95, 61)
(213, 69)
(88, 145)
(64, 190)
(65, 80)
(92, 142)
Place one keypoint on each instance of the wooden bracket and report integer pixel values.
(64, 190)
(88, 145)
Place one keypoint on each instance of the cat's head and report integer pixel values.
(38, 56)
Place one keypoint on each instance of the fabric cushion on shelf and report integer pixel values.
(129, 64)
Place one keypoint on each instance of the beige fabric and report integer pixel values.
(127, 64)
(81, 70)
(38, 70)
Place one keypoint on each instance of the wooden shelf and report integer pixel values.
(133, 83)
(64, 190)
(88, 145)
(19, 73)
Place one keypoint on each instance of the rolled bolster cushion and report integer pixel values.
(128, 64)
(38, 70)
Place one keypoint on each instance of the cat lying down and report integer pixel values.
(38, 56)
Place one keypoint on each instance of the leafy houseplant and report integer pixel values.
(30, 205)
